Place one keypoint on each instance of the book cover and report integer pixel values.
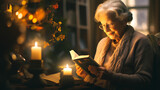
(83, 61)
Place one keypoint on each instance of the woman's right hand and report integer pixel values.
(80, 72)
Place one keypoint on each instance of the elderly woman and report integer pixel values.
(125, 55)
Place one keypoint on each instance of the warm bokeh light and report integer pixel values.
(24, 2)
(14, 57)
(40, 14)
(20, 16)
(10, 8)
(22, 12)
(21, 39)
(9, 24)
(30, 17)
(17, 13)
(34, 20)
(45, 44)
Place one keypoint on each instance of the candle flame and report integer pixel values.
(67, 66)
(35, 44)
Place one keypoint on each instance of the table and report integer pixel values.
(53, 84)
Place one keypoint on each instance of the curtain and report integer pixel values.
(154, 16)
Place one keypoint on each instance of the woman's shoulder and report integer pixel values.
(103, 40)
(140, 38)
(137, 35)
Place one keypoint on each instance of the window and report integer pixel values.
(140, 11)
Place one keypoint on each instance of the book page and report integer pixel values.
(81, 56)
(53, 77)
(73, 54)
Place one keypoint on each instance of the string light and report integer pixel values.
(34, 20)
(30, 17)
(20, 16)
(17, 13)
(24, 2)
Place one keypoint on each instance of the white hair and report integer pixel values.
(116, 6)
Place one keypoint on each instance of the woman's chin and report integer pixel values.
(111, 37)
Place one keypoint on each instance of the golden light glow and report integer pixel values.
(40, 14)
(20, 16)
(17, 13)
(24, 2)
(36, 52)
(30, 17)
(35, 44)
(22, 11)
(67, 66)
(10, 8)
(22, 37)
(9, 24)
(34, 20)
(14, 57)
(67, 70)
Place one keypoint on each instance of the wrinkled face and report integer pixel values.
(113, 27)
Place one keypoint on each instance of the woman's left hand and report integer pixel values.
(95, 70)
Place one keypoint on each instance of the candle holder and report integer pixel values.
(66, 80)
(36, 68)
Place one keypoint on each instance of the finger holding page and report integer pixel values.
(94, 70)
(83, 61)
(80, 72)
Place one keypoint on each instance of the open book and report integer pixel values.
(55, 77)
(83, 61)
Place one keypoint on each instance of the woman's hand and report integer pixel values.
(80, 72)
(95, 70)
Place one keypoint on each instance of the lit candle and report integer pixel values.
(67, 70)
(36, 52)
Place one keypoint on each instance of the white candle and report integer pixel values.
(67, 70)
(36, 52)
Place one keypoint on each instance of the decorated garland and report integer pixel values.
(38, 15)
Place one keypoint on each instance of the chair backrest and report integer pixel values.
(156, 66)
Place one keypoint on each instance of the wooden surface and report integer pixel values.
(53, 84)
(76, 86)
